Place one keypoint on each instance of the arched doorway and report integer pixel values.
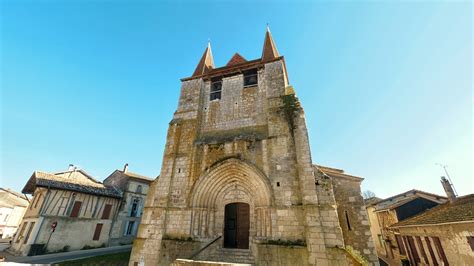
(236, 225)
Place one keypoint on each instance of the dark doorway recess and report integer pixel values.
(237, 225)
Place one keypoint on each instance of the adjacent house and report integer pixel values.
(443, 235)
(12, 207)
(69, 210)
(387, 212)
(134, 188)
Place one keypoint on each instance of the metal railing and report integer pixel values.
(203, 248)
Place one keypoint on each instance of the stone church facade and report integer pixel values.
(237, 182)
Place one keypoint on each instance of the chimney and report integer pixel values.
(71, 167)
(448, 188)
(125, 168)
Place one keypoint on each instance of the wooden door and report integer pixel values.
(236, 225)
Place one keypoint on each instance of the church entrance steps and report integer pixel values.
(228, 255)
(180, 262)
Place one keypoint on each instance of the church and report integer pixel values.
(238, 184)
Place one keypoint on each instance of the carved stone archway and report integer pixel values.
(231, 180)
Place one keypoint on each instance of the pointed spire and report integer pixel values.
(269, 48)
(206, 63)
(236, 59)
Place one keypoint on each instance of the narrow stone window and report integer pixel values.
(348, 222)
(278, 184)
(216, 89)
(250, 78)
(139, 189)
(134, 208)
(129, 228)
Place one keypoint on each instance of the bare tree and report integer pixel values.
(368, 194)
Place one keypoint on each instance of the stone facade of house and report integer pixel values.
(237, 177)
(134, 188)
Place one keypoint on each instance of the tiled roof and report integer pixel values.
(10, 198)
(236, 59)
(407, 194)
(461, 210)
(206, 63)
(75, 180)
(206, 69)
(335, 172)
(371, 201)
(137, 176)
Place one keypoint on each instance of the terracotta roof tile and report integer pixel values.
(461, 210)
(76, 180)
(236, 59)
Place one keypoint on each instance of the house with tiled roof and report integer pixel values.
(70, 210)
(441, 235)
(383, 213)
(134, 188)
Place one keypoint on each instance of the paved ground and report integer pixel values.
(63, 256)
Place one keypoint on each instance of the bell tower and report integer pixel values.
(237, 174)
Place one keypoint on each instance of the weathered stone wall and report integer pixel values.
(270, 255)
(353, 216)
(250, 146)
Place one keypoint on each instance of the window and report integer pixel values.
(250, 78)
(75, 209)
(348, 222)
(401, 247)
(470, 240)
(20, 235)
(414, 253)
(139, 189)
(381, 241)
(37, 200)
(430, 249)
(134, 209)
(98, 229)
(106, 212)
(440, 250)
(129, 228)
(29, 232)
(216, 89)
(421, 248)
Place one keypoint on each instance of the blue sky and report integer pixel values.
(386, 86)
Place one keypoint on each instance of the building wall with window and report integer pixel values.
(135, 188)
(239, 136)
(351, 212)
(83, 219)
(12, 207)
(443, 235)
(387, 212)
(451, 244)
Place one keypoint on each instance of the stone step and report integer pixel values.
(231, 256)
